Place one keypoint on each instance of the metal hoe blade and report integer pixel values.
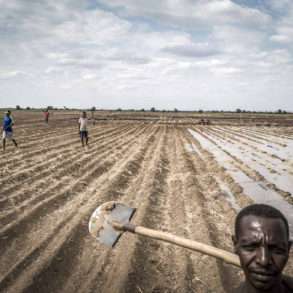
(100, 222)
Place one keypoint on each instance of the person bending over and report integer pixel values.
(262, 243)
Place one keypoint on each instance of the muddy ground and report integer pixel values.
(171, 173)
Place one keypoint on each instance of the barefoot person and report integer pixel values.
(262, 242)
(82, 126)
(7, 129)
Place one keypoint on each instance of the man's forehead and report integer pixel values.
(251, 225)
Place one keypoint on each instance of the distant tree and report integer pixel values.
(28, 108)
(18, 107)
(50, 108)
(119, 109)
(238, 110)
(176, 110)
(200, 111)
(93, 108)
(153, 109)
(142, 110)
(280, 111)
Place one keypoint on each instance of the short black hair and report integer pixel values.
(260, 210)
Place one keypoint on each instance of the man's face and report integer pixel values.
(263, 249)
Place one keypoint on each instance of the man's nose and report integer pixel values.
(263, 256)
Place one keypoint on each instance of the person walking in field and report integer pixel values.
(82, 126)
(46, 115)
(7, 129)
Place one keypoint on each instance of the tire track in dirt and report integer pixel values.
(121, 170)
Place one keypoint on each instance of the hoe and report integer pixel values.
(111, 219)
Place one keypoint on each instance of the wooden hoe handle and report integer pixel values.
(224, 255)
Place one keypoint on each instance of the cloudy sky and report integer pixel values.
(188, 54)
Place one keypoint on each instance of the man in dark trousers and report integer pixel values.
(262, 243)
(7, 129)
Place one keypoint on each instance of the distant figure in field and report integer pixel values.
(46, 115)
(82, 128)
(7, 129)
(262, 243)
(93, 116)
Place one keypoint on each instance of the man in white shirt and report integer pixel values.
(82, 128)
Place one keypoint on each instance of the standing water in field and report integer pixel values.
(256, 190)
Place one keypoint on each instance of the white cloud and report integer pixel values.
(144, 53)
(11, 74)
(281, 39)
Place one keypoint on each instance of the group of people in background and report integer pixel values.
(8, 123)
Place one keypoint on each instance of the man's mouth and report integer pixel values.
(262, 276)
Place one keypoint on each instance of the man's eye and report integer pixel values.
(250, 247)
(278, 250)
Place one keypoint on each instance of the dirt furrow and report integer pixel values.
(243, 136)
(106, 269)
(34, 194)
(41, 145)
(60, 159)
(218, 227)
(24, 157)
(271, 132)
(125, 166)
(146, 272)
(95, 270)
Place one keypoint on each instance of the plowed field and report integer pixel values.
(186, 179)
